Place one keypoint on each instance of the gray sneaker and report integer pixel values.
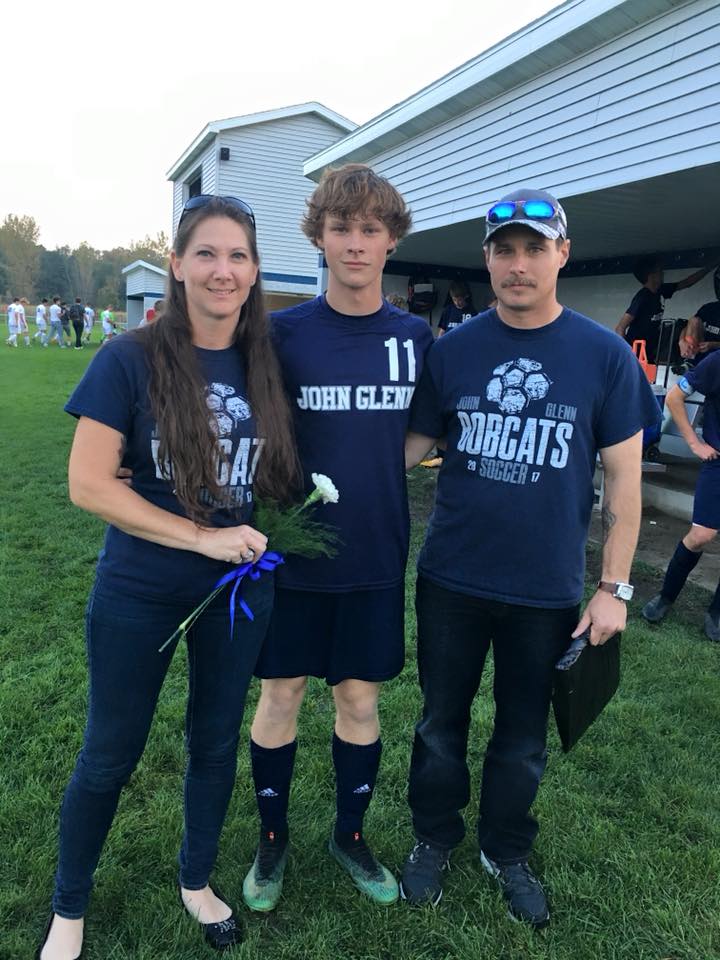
(712, 627)
(523, 892)
(656, 609)
(421, 880)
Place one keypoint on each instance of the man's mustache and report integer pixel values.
(517, 282)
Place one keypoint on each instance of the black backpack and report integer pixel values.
(76, 311)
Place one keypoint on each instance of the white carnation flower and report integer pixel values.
(325, 488)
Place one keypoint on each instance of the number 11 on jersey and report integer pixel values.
(394, 359)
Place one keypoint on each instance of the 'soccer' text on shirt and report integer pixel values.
(507, 446)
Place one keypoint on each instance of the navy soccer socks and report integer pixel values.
(682, 563)
(272, 770)
(356, 770)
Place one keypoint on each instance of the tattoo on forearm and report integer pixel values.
(608, 521)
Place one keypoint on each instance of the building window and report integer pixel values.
(195, 187)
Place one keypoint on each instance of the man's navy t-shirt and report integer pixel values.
(709, 313)
(705, 378)
(350, 380)
(114, 391)
(524, 420)
(646, 309)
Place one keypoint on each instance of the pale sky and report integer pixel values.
(98, 100)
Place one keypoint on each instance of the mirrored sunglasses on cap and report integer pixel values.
(203, 199)
(507, 210)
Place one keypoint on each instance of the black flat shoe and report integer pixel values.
(222, 935)
(48, 925)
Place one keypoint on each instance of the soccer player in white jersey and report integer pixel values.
(41, 322)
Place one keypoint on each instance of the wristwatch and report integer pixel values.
(621, 591)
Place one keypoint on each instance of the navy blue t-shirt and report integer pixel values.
(524, 413)
(453, 316)
(114, 391)
(646, 308)
(705, 378)
(350, 381)
(709, 313)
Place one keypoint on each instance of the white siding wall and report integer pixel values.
(178, 202)
(144, 281)
(634, 108)
(207, 163)
(133, 313)
(266, 169)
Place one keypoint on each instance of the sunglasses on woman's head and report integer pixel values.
(203, 199)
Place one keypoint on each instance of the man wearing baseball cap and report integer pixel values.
(504, 558)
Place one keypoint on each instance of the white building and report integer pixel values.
(259, 158)
(611, 105)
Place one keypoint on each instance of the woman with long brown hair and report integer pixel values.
(194, 406)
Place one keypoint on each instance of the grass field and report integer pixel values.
(630, 840)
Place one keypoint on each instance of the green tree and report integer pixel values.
(4, 277)
(83, 271)
(153, 250)
(19, 248)
(54, 274)
(110, 276)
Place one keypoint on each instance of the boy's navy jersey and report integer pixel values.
(453, 316)
(705, 378)
(709, 313)
(524, 419)
(114, 391)
(350, 381)
(646, 308)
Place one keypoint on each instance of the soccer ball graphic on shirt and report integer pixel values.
(516, 382)
(228, 407)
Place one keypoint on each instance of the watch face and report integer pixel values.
(624, 591)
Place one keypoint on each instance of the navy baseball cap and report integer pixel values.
(536, 209)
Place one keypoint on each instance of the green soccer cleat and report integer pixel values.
(263, 884)
(369, 876)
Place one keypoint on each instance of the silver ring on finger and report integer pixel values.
(248, 556)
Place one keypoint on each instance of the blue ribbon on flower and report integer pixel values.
(268, 561)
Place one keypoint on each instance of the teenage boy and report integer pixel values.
(13, 313)
(705, 378)
(504, 559)
(56, 328)
(458, 310)
(41, 322)
(350, 362)
(88, 322)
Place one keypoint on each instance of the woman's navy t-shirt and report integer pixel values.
(524, 413)
(114, 391)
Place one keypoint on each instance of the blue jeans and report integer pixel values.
(455, 631)
(126, 674)
(56, 332)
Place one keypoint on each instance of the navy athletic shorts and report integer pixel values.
(357, 635)
(706, 509)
